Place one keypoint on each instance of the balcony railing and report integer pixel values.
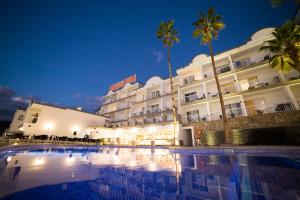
(228, 89)
(189, 99)
(263, 83)
(245, 62)
(223, 69)
(187, 81)
(151, 111)
(294, 75)
(284, 106)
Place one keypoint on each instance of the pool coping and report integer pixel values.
(225, 149)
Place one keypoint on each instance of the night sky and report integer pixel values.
(69, 52)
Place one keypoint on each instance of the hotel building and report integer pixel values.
(248, 83)
(249, 87)
(137, 114)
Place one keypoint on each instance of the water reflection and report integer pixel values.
(123, 173)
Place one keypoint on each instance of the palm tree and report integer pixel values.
(208, 28)
(169, 35)
(285, 47)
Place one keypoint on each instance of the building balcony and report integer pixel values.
(223, 69)
(263, 83)
(293, 75)
(192, 98)
(284, 106)
(250, 62)
(114, 100)
(149, 98)
(121, 108)
(150, 112)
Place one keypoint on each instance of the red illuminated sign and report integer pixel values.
(116, 86)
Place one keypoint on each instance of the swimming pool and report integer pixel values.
(146, 173)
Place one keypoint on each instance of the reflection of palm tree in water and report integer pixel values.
(176, 159)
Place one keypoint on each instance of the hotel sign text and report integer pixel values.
(116, 86)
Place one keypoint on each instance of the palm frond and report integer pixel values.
(208, 25)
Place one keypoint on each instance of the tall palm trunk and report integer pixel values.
(172, 94)
(225, 122)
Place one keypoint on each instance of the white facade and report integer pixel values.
(142, 114)
(49, 120)
(249, 85)
(17, 122)
(136, 104)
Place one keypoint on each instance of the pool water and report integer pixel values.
(145, 173)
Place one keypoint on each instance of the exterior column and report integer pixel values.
(237, 84)
(205, 90)
(244, 109)
(281, 76)
(231, 62)
(292, 97)
(208, 110)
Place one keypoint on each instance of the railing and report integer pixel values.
(263, 83)
(293, 75)
(275, 107)
(284, 106)
(141, 113)
(245, 62)
(223, 69)
(228, 89)
(187, 81)
(189, 99)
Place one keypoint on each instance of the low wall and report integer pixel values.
(279, 119)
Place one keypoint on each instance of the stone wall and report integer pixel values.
(258, 121)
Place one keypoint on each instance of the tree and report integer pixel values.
(207, 29)
(169, 35)
(277, 3)
(285, 47)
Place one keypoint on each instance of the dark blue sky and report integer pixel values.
(69, 52)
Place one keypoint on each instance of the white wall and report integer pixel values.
(60, 122)
(17, 121)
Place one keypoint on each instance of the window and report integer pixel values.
(34, 117)
(155, 108)
(223, 69)
(20, 117)
(155, 94)
(193, 116)
(228, 88)
(188, 80)
(234, 110)
(190, 97)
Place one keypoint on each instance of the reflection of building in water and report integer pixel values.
(241, 177)
(59, 166)
(149, 174)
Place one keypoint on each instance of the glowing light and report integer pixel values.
(8, 158)
(134, 130)
(38, 161)
(21, 128)
(75, 128)
(116, 160)
(49, 126)
(70, 159)
(15, 143)
(152, 167)
(132, 163)
(152, 128)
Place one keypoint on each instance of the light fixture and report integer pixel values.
(38, 161)
(8, 158)
(49, 126)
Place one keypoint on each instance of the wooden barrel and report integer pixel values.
(241, 136)
(213, 138)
